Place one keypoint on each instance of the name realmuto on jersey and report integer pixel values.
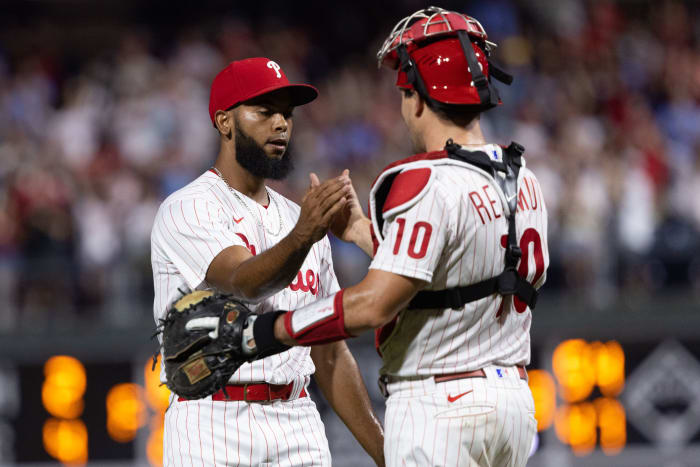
(490, 209)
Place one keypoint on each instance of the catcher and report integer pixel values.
(228, 231)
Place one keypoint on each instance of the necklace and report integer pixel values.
(245, 203)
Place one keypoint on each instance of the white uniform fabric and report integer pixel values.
(192, 226)
(232, 433)
(454, 234)
(465, 422)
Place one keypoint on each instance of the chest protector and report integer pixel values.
(508, 282)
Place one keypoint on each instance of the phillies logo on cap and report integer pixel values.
(246, 79)
(275, 67)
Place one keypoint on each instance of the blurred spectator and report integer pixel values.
(606, 101)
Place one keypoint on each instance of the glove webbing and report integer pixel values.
(509, 281)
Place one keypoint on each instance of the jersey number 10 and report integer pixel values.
(530, 238)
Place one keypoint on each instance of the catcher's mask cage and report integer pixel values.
(444, 56)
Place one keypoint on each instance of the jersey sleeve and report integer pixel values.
(328, 281)
(191, 233)
(414, 238)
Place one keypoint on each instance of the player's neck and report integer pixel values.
(437, 134)
(240, 179)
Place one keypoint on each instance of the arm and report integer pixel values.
(340, 381)
(372, 303)
(361, 236)
(387, 289)
(252, 278)
(350, 223)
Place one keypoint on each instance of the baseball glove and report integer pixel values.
(201, 342)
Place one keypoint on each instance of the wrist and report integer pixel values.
(360, 230)
(320, 322)
(299, 240)
(266, 343)
(360, 233)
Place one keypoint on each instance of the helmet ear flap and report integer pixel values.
(444, 56)
(413, 76)
(488, 95)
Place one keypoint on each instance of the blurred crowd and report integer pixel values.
(606, 102)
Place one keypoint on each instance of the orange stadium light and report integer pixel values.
(544, 393)
(66, 441)
(157, 395)
(154, 446)
(576, 425)
(610, 367)
(64, 386)
(612, 425)
(574, 367)
(126, 411)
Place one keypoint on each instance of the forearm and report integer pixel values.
(368, 305)
(340, 381)
(362, 237)
(270, 271)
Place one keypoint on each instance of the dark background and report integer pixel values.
(103, 113)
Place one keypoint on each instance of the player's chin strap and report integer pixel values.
(508, 282)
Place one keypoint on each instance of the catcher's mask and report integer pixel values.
(444, 56)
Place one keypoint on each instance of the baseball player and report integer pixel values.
(458, 235)
(228, 231)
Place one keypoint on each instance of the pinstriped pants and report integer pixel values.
(466, 422)
(236, 433)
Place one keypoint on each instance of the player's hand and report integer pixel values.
(351, 218)
(320, 204)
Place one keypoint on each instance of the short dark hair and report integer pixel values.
(458, 114)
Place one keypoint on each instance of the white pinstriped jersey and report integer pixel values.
(444, 223)
(197, 222)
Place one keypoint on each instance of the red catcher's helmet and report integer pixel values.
(444, 56)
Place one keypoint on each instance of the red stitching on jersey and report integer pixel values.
(177, 428)
(187, 422)
(199, 433)
(211, 420)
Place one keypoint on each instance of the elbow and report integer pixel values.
(381, 317)
(255, 295)
(246, 293)
(376, 312)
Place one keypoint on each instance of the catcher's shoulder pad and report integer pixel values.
(408, 187)
(399, 186)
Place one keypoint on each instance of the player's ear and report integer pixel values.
(224, 123)
(419, 105)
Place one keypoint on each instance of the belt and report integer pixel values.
(475, 374)
(254, 392)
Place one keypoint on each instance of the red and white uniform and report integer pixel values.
(192, 227)
(444, 223)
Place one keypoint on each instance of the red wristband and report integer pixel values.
(318, 323)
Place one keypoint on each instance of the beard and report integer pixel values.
(252, 157)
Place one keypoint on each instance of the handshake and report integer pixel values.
(332, 205)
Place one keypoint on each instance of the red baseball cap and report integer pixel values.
(245, 79)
